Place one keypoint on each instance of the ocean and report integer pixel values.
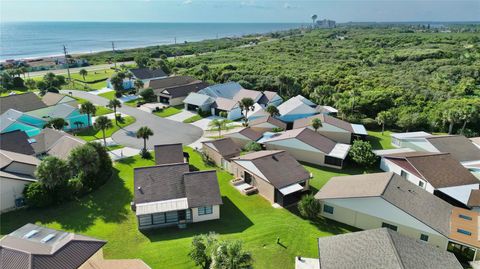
(21, 40)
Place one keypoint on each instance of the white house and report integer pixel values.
(403, 140)
(295, 108)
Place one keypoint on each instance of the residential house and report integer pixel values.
(267, 124)
(36, 247)
(295, 108)
(51, 99)
(221, 151)
(16, 171)
(270, 98)
(21, 102)
(198, 102)
(403, 140)
(275, 173)
(146, 75)
(170, 153)
(379, 248)
(173, 90)
(336, 129)
(169, 194)
(371, 201)
(9, 122)
(308, 146)
(259, 111)
(16, 141)
(127, 84)
(437, 173)
(327, 110)
(228, 106)
(245, 136)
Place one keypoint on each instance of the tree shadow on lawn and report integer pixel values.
(108, 203)
(232, 220)
(375, 142)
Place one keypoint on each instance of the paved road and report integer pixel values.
(165, 131)
(75, 70)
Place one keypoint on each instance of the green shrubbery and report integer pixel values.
(87, 168)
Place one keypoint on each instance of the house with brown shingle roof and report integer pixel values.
(170, 153)
(245, 136)
(267, 124)
(220, 151)
(21, 102)
(437, 173)
(371, 201)
(275, 173)
(170, 194)
(173, 90)
(308, 146)
(36, 247)
(334, 128)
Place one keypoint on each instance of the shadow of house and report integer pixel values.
(109, 203)
(232, 220)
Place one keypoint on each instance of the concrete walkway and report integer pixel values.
(165, 130)
(103, 90)
(122, 153)
(180, 117)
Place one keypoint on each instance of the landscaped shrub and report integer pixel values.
(362, 153)
(148, 95)
(252, 146)
(277, 129)
(309, 207)
(145, 154)
(18, 82)
(36, 195)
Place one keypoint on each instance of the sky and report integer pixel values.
(239, 11)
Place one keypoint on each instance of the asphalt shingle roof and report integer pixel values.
(16, 141)
(21, 102)
(168, 153)
(226, 147)
(184, 90)
(147, 73)
(381, 248)
(460, 147)
(305, 122)
(276, 122)
(201, 188)
(309, 137)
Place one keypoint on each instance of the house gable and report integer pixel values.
(295, 144)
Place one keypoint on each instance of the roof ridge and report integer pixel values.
(198, 172)
(159, 165)
(392, 243)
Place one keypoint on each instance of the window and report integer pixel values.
(389, 226)
(333, 161)
(158, 218)
(465, 232)
(328, 209)
(421, 184)
(205, 210)
(144, 220)
(424, 237)
(465, 217)
(404, 174)
(171, 217)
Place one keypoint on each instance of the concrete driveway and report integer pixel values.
(185, 114)
(165, 130)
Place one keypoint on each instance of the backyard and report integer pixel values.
(106, 214)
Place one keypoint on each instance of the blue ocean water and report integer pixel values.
(35, 39)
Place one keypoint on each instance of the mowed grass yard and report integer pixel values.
(106, 214)
(169, 111)
(93, 134)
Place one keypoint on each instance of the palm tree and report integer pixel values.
(83, 73)
(383, 118)
(103, 123)
(316, 123)
(229, 254)
(129, 75)
(272, 110)
(144, 133)
(138, 84)
(89, 109)
(219, 125)
(113, 104)
(452, 116)
(314, 18)
(117, 83)
(246, 104)
(57, 123)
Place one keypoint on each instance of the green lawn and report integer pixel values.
(110, 148)
(89, 83)
(108, 95)
(380, 141)
(169, 111)
(101, 110)
(133, 103)
(93, 134)
(106, 214)
(193, 119)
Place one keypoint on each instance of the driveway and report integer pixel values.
(165, 130)
(185, 114)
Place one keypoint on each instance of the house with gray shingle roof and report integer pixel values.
(296, 108)
(21, 102)
(220, 151)
(170, 194)
(380, 248)
(36, 247)
(245, 136)
(371, 201)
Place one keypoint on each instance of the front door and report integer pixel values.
(247, 177)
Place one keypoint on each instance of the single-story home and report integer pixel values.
(16, 171)
(173, 90)
(327, 110)
(221, 151)
(9, 121)
(437, 173)
(146, 74)
(336, 129)
(403, 140)
(21, 102)
(16, 141)
(51, 99)
(258, 111)
(245, 136)
(295, 108)
(460, 148)
(371, 201)
(270, 98)
(32, 247)
(231, 107)
(226, 90)
(379, 248)
(60, 148)
(170, 194)
(196, 101)
(267, 124)
(308, 146)
(275, 173)
(170, 153)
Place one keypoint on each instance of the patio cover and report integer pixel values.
(291, 189)
(162, 206)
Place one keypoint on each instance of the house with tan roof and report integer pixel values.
(221, 151)
(336, 129)
(50, 142)
(437, 173)
(278, 177)
(51, 99)
(245, 136)
(378, 248)
(16, 171)
(372, 201)
(36, 247)
(308, 146)
(296, 108)
(267, 124)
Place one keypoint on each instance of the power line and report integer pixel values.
(114, 56)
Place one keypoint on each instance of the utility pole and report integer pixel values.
(66, 61)
(114, 57)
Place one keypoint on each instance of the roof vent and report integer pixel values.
(30, 234)
(31, 140)
(47, 238)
